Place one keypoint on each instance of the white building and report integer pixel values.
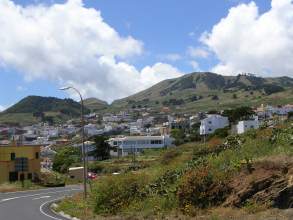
(92, 130)
(212, 123)
(244, 126)
(135, 144)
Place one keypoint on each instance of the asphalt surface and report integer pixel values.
(33, 205)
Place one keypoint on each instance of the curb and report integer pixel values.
(62, 214)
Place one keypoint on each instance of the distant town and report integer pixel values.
(128, 132)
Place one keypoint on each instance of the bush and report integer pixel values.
(52, 179)
(221, 132)
(200, 189)
(65, 158)
(116, 192)
(169, 156)
(251, 133)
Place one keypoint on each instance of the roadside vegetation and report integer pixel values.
(239, 172)
(18, 186)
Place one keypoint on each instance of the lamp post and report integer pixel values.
(82, 139)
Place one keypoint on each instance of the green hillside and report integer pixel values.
(33, 109)
(205, 91)
(95, 104)
(223, 178)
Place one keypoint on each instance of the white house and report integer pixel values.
(134, 144)
(212, 123)
(244, 126)
(91, 130)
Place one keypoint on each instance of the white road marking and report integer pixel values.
(42, 197)
(34, 190)
(4, 200)
(39, 194)
(45, 203)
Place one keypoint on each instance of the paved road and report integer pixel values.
(33, 205)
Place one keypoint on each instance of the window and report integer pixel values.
(115, 143)
(37, 155)
(29, 176)
(210, 122)
(12, 156)
(156, 141)
(210, 129)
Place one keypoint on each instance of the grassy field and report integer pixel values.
(191, 180)
(18, 186)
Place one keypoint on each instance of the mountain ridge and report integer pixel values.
(205, 85)
(199, 91)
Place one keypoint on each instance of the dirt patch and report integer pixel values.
(269, 182)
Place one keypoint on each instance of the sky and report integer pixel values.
(111, 49)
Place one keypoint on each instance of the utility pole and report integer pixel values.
(84, 151)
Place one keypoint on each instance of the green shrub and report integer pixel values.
(221, 132)
(199, 188)
(169, 156)
(116, 192)
(52, 179)
(251, 133)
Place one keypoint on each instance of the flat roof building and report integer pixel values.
(19, 163)
(133, 144)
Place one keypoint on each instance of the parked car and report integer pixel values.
(91, 176)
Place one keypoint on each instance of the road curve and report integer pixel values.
(33, 205)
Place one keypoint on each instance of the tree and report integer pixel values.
(178, 135)
(241, 113)
(102, 151)
(290, 115)
(215, 97)
(65, 157)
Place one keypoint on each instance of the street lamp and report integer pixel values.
(82, 139)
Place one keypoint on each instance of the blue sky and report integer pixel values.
(164, 27)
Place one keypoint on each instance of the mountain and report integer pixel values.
(36, 108)
(95, 104)
(205, 91)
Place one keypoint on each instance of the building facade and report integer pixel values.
(122, 146)
(212, 123)
(244, 126)
(19, 163)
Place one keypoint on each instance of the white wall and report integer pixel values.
(244, 126)
(212, 123)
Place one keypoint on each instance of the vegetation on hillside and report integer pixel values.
(34, 109)
(197, 177)
(95, 105)
(206, 91)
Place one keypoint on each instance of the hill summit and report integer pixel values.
(206, 90)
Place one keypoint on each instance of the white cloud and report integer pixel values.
(71, 44)
(197, 52)
(194, 65)
(2, 108)
(171, 57)
(20, 88)
(191, 34)
(247, 41)
(159, 72)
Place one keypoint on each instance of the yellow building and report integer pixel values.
(19, 163)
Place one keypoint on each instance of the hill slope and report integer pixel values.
(203, 91)
(248, 173)
(34, 108)
(95, 104)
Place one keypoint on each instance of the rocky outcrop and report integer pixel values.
(270, 184)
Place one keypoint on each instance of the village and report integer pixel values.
(27, 150)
